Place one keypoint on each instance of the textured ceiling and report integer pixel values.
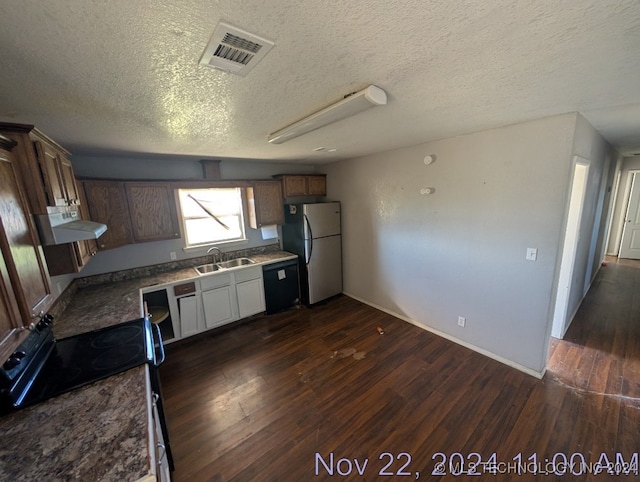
(123, 76)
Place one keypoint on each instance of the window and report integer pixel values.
(211, 215)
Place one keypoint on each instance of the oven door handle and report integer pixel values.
(160, 347)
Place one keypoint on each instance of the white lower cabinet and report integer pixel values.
(209, 301)
(250, 297)
(219, 306)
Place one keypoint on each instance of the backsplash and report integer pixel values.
(166, 267)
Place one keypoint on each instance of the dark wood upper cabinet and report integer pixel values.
(50, 165)
(21, 251)
(47, 175)
(317, 185)
(107, 202)
(71, 189)
(294, 185)
(89, 247)
(44, 166)
(266, 205)
(152, 208)
(134, 212)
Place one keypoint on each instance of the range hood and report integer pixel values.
(67, 227)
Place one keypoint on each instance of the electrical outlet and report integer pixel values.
(462, 321)
(173, 255)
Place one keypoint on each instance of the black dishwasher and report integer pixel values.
(281, 287)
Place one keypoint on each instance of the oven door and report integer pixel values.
(158, 346)
(158, 359)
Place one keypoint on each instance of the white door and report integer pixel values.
(630, 245)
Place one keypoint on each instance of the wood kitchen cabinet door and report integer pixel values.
(69, 182)
(152, 207)
(303, 185)
(107, 202)
(294, 186)
(22, 254)
(89, 247)
(9, 311)
(266, 205)
(317, 185)
(44, 167)
(50, 166)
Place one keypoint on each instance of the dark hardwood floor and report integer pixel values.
(315, 390)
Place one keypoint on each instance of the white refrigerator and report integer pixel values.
(312, 231)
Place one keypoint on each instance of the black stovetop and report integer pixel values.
(76, 361)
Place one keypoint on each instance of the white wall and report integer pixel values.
(602, 159)
(461, 251)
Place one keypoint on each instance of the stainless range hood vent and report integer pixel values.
(67, 227)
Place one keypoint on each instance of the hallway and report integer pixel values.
(601, 351)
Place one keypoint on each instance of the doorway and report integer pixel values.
(571, 238)
(630, 243)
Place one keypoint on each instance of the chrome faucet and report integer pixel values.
(217, 250)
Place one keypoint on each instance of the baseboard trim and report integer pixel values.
(453, 339)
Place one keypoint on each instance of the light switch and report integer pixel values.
(532, 254)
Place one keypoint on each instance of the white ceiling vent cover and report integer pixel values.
(233, 50)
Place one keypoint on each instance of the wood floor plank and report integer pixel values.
(262, 400)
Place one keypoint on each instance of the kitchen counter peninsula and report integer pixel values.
(100, 431)
(110, 303)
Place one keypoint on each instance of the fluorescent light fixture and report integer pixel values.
(350, 105)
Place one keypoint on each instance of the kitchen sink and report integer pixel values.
(207, 268)
(232, 263)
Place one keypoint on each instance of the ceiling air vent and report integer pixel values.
(233, 50)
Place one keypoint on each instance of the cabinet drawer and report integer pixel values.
(246, 274)
(184, 289)
(215, 281)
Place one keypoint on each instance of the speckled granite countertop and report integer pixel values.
(108, 304)
(98, 432)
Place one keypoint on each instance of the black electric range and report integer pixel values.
(43, 367)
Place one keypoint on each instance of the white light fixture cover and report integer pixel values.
(355, 103)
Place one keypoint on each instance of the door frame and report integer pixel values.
(571, 240)
(631, 181)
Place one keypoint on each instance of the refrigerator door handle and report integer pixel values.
(306, 220)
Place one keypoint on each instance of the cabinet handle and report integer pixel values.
(164, 452)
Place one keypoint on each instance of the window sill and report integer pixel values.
(223, 245)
